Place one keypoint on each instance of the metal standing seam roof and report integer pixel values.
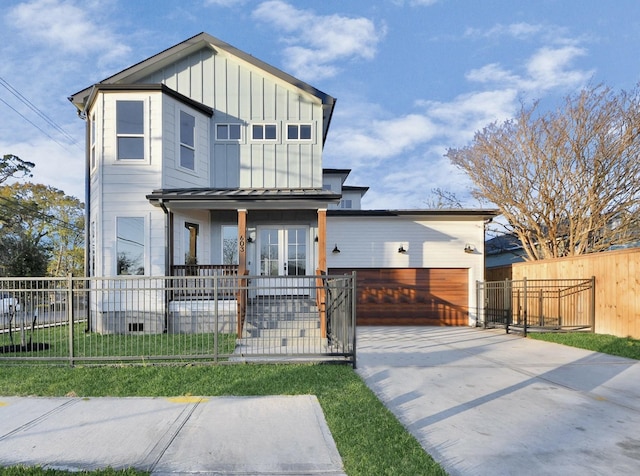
(226, 194)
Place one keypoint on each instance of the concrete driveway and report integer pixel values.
(482, 402)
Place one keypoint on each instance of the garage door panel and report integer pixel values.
(414, 296)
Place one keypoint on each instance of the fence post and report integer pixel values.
(215, 317)
(593, 304)
(478, 305)
(69, 301)
(353, 295)
(559, 309)
(525, 307)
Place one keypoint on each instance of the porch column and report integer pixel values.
(242, 268)
(322, 239)
(322, 268)
(242, 242)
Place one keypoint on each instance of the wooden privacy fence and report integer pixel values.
(550, 304)
(617, 285)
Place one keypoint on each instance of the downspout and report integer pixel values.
(87, 212)
(168, 242)
(168, 254)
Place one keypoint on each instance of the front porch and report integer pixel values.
(258, 304)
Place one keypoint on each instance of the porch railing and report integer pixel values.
(540, 304)
(136, 318)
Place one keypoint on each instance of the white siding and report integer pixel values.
(240, 92)
(175, 176)
(120, 187)
(373, 242)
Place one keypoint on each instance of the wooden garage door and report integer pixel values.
(415, 296)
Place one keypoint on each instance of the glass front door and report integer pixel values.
(283, 252)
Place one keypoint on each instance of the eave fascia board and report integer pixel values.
(203, 108)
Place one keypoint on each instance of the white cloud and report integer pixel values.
(519, 31)
(548, 68)
(412, 146)
(66, 28)
(62, 168)
(416, 3)
(224, 3)
(315, 42)
(382, 139)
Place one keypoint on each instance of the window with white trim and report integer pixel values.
(130, 130)
(264, 132)
(228, 132)
(130, 249)
(187, 141)
(298, 131)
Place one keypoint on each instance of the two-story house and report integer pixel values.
(203, 155)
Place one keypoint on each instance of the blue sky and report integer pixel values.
(412, 77)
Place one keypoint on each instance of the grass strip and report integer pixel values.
(607, 344)
(368, 436)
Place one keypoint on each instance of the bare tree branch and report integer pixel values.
(568, 181)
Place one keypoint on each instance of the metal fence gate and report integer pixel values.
(537, 304)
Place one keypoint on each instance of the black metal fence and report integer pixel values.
(219, 318)
(539, 305)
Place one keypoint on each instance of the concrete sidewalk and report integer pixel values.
(482, 402)
(281, 435)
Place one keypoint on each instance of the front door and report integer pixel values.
(283, 253)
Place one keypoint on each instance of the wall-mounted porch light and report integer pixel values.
(336, 250)
(468, 248)
(402, 249)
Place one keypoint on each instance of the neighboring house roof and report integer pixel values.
(343, 173)
(453, 212)
(203, 40)
(351, 188)
(503, 244)
(232, 196)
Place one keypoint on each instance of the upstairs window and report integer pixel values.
(130, 130)
(299, 132)
(187, 141)
(228, 132)
(264, 132)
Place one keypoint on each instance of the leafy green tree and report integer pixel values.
(48, 218)
(12, 166)
(23, 256)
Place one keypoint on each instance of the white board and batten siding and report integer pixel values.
(173, 175)
(241, 93)
(430, 242)
(125, 183)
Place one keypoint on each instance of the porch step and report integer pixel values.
(282, 332)
(281, 325)
(281, 345)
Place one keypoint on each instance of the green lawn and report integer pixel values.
(607, 344)
(369, 438)
(94, 345)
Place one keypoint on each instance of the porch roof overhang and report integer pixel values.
(243, 198)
